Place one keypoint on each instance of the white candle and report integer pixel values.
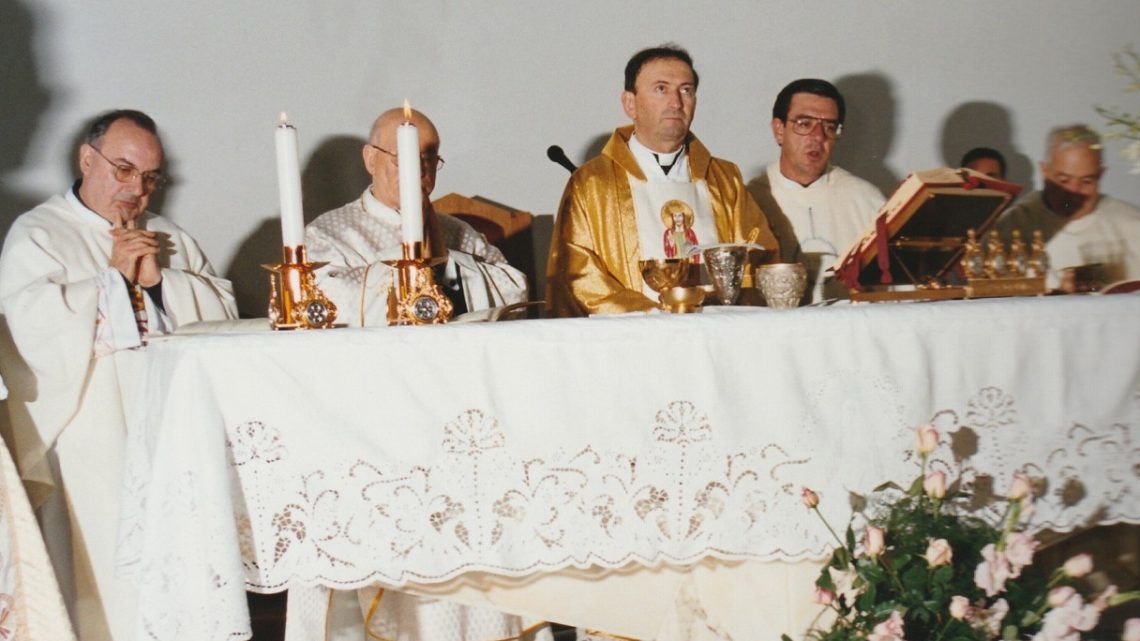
(289, 185)
(411, 198)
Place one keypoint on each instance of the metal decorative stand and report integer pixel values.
(414, 298)
(295, 301)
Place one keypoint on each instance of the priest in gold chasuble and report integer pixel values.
(654, 192)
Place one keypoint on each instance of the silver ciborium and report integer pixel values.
(725, 264)
(663, 275)
(782, 284)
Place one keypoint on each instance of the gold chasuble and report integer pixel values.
(595, 248)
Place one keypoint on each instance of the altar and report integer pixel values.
(641, 463)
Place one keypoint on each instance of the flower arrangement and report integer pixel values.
(926, 569)
(1123, 124)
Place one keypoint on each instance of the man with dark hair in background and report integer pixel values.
(817, 210)
(986, 161)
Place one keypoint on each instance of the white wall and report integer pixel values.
(503, 80)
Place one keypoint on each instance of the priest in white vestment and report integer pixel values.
(84, 277)
(354, 239)
(817, 210)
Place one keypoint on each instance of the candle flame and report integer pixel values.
(283, 118)
(407, 111)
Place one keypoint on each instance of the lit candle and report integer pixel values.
(411, 198)
(289, 184)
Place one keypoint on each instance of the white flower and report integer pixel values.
(938, 552)
(959, 607)
(925, 438)
(935, 484)
(1078, 565)
(1060, 595)
(889, 630)
(990, 620)
(1131, 630)
(1019, 487)
(1019, 548)
(993, 571)
(874, 541)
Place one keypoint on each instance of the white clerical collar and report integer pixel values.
(788, 183)
(650, 162)
(379, 209)
(84, 211)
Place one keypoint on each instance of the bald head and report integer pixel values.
(380, 159)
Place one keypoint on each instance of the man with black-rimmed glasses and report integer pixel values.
(817, 210)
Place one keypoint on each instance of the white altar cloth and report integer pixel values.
(413, 456)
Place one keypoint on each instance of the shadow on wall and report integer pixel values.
(985, 124)
(333, 175)
(24, 99)
(868, 130)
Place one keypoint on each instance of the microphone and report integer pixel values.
(555, 153)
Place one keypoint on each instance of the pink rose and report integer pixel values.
(935, 484)
(992, 572)
(1020, 487)
(873, 541)
(1060, 596)
(1131, 630)
(925, 438)
(990, 620)
(1066, 622)
(1019, 547)
(938, 552)
(810, 499)
(889, 630)
(959, 607)
(823, 596)
(1078, 565)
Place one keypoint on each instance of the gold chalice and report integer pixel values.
(664, 274)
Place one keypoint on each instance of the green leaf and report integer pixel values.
(825, 581)
(784, 637)
(1009, 633)
(1029, 619)
(915, 488)
(850, 538)
(943, 575)
(866, 600)
(888, 485)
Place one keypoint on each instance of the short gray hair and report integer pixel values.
(1071, 136)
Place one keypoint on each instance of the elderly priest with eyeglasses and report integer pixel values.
(357, 237)
(354, 240)
(817, 210)
(84, 277)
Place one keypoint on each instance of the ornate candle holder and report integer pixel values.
(295, 301)
(414, 298)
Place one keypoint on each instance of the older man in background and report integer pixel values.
(357, 237)
(1080, 225)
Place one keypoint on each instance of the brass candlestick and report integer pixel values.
(295, 301)
(414, 298)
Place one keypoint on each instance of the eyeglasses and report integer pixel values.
(427, 161)
(804, 125)
(126, 172)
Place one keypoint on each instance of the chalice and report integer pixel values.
(725, 264)
(664, 275)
